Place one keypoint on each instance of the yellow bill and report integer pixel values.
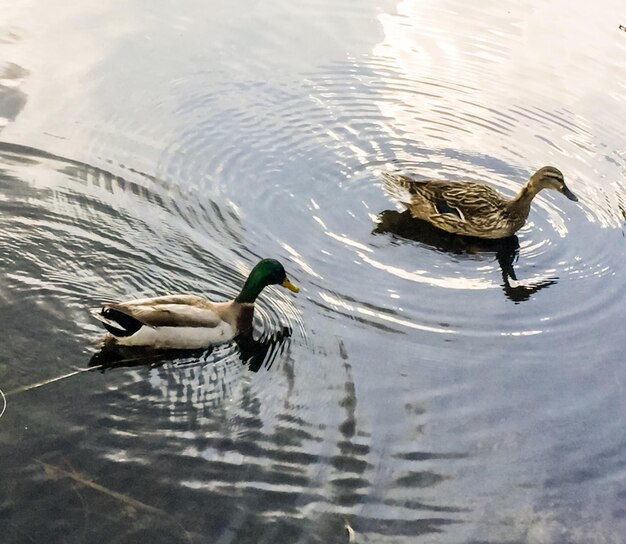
(287, 284)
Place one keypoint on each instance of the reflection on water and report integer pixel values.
(169, 147)
(12, 98)
(506, 250)
(252, 352)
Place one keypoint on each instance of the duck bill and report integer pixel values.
(288, 285)
(569, 194)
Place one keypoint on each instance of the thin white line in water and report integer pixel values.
(4, 400)
(51, 380)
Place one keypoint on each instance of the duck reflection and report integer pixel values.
(506, 250)
(251, 352)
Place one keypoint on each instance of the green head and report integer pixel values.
(550, 177)
(266, 272)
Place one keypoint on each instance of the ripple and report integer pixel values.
(411, 368)
(324, 142)
(79, 235)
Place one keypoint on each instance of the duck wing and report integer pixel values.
(168, 311)
(464, 199)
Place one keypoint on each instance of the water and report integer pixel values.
(418, 388)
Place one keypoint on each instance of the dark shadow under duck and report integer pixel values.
(403, 225)
(468, 208)
(252, 352)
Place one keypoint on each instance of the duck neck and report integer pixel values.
(521, 203)
(250, 290)
(244, 320)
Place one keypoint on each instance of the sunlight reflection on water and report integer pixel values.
(418, 387)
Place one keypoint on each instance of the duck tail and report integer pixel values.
(397, 187)
(116, 322)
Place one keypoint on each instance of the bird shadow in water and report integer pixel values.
(253, 353)
(506, 250)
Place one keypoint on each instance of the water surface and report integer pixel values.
(419, 388)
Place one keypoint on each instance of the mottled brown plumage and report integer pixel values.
(468, 208)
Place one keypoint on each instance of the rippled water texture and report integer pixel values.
(420, 387)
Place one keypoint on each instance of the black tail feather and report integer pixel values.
(127, 325)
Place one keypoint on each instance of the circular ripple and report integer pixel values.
(288, 167)
(301, 164)
(79, 235)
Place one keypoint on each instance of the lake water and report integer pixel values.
(418, 388)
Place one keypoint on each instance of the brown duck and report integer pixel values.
(468, 208)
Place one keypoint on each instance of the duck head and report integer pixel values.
(266, 272)
(550, 177)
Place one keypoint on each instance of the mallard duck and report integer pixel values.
(472, 209)
(189, 321)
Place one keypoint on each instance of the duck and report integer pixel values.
(468, 208)
(188, 321)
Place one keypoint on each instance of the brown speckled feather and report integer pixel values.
(466, 208)
(472, 209)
